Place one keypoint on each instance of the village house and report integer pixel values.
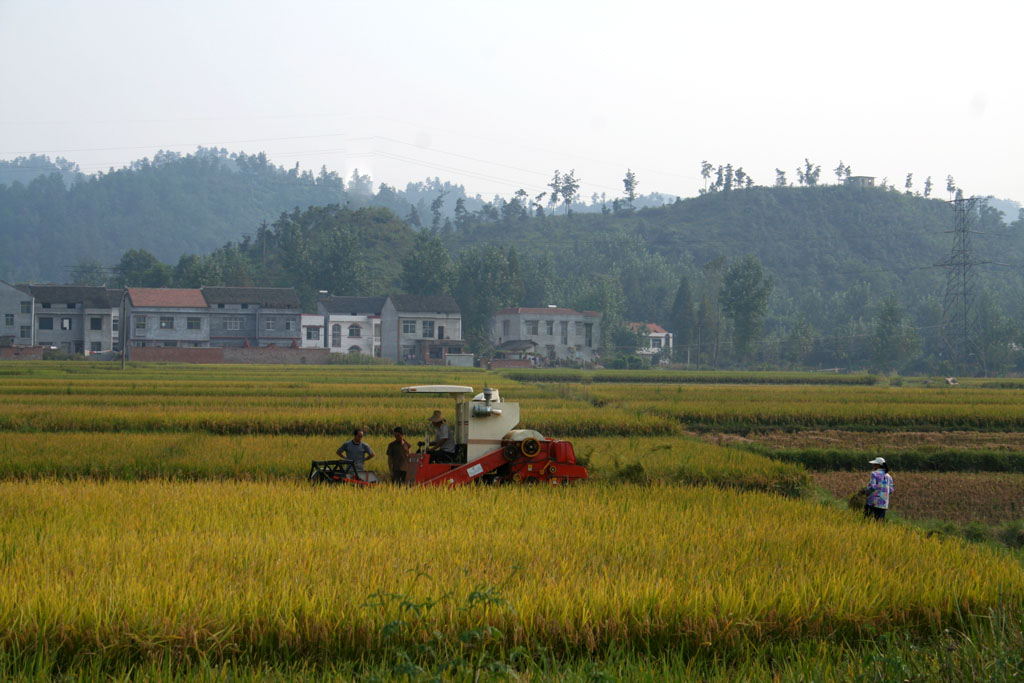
(656, 340)
(559, 334)
(422, 329)
(352, 323)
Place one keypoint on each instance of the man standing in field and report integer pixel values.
(358, 452)
(398, 456)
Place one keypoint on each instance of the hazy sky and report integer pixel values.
(498, 95)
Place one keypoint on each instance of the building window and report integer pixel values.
(408, 327)
(655, 342)
(336, 336)
(436, 353)
(588, 334)
(95, 323)
(313, 334)
(563, 328)
(25, 332)
(26, 306)
(355, 330)
(234, 324)
(95, 347)
(376, 330)
(428, 329)
(9, 319)
(166, 322)
(354, 350)
(269, 324)
(550, 324)
(46, 305)
(193, 324)
(115, 324)
(245, 306)
(72, 305)
(533, 327)
(220, 305)
(140, 322)
(504, 328)
(65, 324)
(287, 325)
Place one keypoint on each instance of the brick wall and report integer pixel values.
(276, 355)
(21, 353)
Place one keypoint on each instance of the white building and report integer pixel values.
(312, 336)
(561, 334)
(351, 324)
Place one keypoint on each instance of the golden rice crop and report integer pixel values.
(192, 456)
(281, 571)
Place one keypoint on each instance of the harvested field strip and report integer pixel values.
(278, 572)
(957, 497)
(930, 459)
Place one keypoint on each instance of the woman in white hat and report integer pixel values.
(879, 487)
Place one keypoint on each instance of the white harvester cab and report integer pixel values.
(481, 423)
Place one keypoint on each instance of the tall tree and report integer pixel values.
(808, 175)
(893, 341)
(139, 268)
(780, 178)
(745, 291)
(950, 186)
(556, 188)
(909, 184)
(629, 183)
(570, 189)
(705, 173)
(928, 187)
(682, 320)
(839, 170)
(427, 267)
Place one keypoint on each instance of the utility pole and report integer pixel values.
(959, 317)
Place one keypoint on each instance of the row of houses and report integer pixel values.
(408, 328)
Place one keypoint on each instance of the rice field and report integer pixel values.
(984, 497)
(158, 520)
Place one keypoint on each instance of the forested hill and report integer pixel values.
(171, 205)
(813, 241)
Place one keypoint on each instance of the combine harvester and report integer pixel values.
(488, 448)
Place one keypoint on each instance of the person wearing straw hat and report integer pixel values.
(879, 488)
(443, 440)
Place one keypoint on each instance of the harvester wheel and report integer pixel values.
(530, 447)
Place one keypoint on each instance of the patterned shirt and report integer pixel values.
(879, 488)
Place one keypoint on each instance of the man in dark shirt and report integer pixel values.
(398, 457)
(357, 451)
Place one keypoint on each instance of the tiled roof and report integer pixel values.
(520, 310)
(267, 297)
(89, 297)
(411, 303)
(653, 328)
(353, 305)
(166, 298)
